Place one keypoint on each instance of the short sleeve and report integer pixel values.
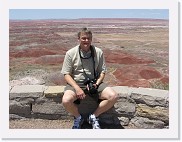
(67, 65)
(102, 65)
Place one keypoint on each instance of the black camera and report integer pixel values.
(92, 89)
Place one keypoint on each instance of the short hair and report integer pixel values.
(84, 30)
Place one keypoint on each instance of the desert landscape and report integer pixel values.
(136, 50)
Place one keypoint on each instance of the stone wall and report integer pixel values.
(137, 108)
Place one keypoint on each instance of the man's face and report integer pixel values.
(85, 40)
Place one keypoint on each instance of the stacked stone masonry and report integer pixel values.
(136, 108)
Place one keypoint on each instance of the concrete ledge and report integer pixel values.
(28, 89)
(151, 92)
(143, 91)
(135, 105)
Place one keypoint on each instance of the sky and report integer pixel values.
(24, 14)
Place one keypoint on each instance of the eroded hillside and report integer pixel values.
(136, 50)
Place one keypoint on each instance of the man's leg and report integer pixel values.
(109, 98)
(68, 102)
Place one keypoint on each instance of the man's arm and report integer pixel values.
(100, 79)
(79, 92)
(101, 68)
(70, 81)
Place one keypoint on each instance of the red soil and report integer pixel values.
(45, 42)
(124, 58)
(137, 75)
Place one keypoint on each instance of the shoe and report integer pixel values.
(77, 123)
(94, 121)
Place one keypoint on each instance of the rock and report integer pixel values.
(19, 108)
(156, 113)
(27, 91)
(49, 108)
(137, 108)
(54, 91)
(25, 100)
(149, 100)
(14, 116)
(124, 121)
(145, 123)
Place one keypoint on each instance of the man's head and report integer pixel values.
(85, 38)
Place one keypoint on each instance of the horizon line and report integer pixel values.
(90, 18)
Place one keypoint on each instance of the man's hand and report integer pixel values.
(80, 93)
(96, 86)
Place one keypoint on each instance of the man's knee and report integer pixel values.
(67, 99)
(109, 94)
(113, 96)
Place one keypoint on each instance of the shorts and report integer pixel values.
(100, 88)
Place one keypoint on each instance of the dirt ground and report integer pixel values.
(40, 124)
(53, 124)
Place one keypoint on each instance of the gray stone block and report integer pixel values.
(14, 116)
(50, 108)
(145, 123)
(138, 108)
(149, 100)
(28, 89)
(156, 113)
(124, 121)
(25, 95)
(125, 109)
(19, 108)
(151, 92)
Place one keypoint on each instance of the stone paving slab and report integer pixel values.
(143, 91)
(28, 89)
(58, 90)
(151, 92)
(52, 91)
(122, 89)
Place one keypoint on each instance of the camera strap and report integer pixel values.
(92, 55)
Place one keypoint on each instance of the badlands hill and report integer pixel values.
(136, 50)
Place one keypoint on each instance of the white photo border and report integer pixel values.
(171, 133)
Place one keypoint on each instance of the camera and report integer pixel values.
(92, 89)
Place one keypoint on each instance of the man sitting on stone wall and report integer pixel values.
(84, 70)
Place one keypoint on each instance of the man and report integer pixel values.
(84, 70)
